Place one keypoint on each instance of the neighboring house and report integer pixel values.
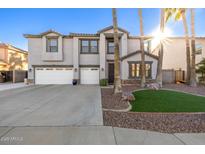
(12, 58)
(54, 58)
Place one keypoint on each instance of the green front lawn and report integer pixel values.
(167, 101)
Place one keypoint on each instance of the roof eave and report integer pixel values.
(136, 52)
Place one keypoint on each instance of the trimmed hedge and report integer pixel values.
(103, 82)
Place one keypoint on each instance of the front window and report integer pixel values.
(52, 45)
(89, 46)
(135, 70)
(110, 46)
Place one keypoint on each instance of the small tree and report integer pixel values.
(200, 68)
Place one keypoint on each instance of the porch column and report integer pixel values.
(75, 59)
(102, 45)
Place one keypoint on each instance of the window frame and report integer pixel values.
(89, 46)
(48, 47)
(139, 62)
(108, 41)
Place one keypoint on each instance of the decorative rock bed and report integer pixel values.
(162, 122)
(154, 121)
(110, 101)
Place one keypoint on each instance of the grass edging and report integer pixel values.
(166, 101)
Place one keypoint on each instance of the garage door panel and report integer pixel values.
(53, 76)
(89, 76)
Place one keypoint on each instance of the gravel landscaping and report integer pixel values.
(199, 90)
(161, 122)
(157, 121)
(112, 101)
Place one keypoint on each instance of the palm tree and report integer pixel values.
(178, 15)
(117, 80)
(193, 47)
(161, 52)
(142, 49)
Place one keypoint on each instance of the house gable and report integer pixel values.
(135, 57)
(47, 33)
(110, 30)
(138, 52)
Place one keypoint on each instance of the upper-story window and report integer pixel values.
(110, 46)
(52, 45)
(198, 49)
(89, 46)
(147, 45)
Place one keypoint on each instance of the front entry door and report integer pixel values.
(111, 73)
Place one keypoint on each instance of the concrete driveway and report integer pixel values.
(51, 105)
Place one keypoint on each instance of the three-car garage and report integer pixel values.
(65, 75)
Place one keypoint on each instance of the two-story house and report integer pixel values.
(55, 58)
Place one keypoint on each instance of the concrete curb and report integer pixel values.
(120, 110)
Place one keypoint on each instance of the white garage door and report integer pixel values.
(53, 75)
(89, 75)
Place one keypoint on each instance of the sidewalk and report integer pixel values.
(88, 135)
(9, 85)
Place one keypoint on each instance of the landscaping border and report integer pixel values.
(165, 122)
(161, 122)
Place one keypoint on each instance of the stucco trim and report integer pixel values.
(52, 66)
(138, 52)
(83, 34)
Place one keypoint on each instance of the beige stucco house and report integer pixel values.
(12, 58)
(54, 58)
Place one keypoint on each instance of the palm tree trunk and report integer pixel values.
(193, 47)
(188, 64)
(161, 52)
(143, 80)
(117, 80)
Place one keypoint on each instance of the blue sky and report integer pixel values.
(16, 22)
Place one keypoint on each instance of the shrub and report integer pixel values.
(103, 82)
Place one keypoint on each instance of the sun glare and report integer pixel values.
(158, 37)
